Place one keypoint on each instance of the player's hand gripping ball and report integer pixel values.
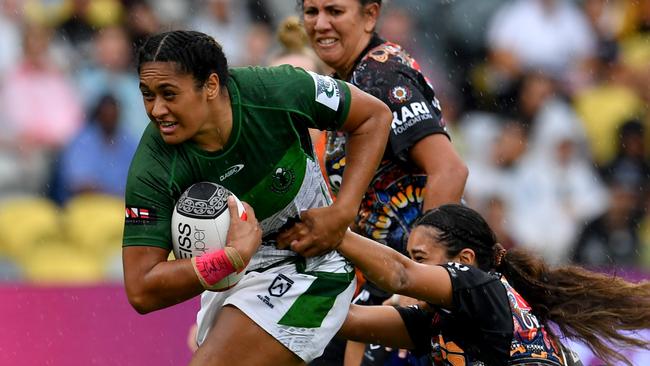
(200, 223)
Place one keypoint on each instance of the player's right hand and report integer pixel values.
(244, 233)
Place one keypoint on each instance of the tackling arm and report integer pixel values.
(395, 273)
(377, 325)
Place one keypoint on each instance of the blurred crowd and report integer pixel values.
(548, 102)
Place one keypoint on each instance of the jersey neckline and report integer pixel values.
(235, 103)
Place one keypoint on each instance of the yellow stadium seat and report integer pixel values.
(95, 223)
(26, 222)
(62, 264)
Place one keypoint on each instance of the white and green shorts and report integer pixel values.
(302, 306)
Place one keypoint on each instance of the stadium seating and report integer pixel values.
(77, 244)
(61, 263)
(26, 223)
(94, 223)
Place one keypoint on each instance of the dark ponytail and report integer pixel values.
(589, 306)
(585, 305)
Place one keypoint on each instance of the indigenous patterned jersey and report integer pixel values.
(394, 199)
(268, 160)
(491, 324)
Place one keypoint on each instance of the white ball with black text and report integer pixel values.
(200, 223)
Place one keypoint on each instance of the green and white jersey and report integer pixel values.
(268, 160)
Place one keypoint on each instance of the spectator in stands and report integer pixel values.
(97, 159)
(556, 182)
(41, 113)
(9, 36)
(141, 21)
(110, 71)
(83, 18)
(608, 102)
(630, 166)
(612, 239)
(229, 23)
(552, 36)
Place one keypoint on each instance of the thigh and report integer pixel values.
(237, 340)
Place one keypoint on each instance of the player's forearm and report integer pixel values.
(446, 186)
(164, 285)
(380, 264)
(377, 325)
(365, 148)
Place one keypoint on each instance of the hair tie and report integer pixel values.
(499, 253)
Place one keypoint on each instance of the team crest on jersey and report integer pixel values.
(399, 94)
(379, 55)
(327, 91)
(280, 285)
(282, 179)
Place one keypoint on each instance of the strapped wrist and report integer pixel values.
(235, 258)
(212, 267)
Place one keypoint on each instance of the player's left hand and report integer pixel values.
(244, 234)
(320, 231)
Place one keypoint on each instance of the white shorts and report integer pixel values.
(301, 306)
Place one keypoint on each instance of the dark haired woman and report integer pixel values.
(246, 129)
(420, 168)
(488, 306)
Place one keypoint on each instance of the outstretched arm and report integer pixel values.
(377, 325)
(395, 273)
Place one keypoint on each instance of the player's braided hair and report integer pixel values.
(194, 53)
(461, 227)
(590, 306)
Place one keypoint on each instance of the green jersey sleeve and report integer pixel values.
(149, 199)
(331, 100)
(315, 100)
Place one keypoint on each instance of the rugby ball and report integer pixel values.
(200, 223)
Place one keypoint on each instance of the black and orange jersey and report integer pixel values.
(394, 198)
(490, 324)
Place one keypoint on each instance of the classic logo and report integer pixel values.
(231, 171)
(282, 179)
(280, 285)
(327, 91)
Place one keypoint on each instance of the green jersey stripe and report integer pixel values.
(309, 310)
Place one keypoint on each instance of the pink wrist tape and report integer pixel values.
(212, 267)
